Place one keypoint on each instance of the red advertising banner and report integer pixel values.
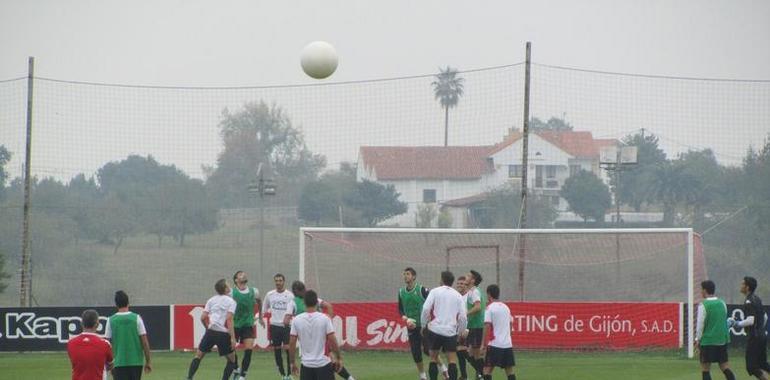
(535, 326)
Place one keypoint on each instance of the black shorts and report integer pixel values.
(439, 342)
(756, 355)
(499, 357)
(418, 345)
(127, 373)
(279, 335)
(216, 338)
(243, 333)
(713, 354)
(322, 373)
(474, 337)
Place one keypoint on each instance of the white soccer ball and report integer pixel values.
(319, 59)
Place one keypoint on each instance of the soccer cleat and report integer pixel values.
(236, 374)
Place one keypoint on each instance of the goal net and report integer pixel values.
(567, 288)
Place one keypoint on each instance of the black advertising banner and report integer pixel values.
(738, 335)
(49, 328)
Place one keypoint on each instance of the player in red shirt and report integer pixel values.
(89, 353)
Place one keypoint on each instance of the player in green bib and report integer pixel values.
(712, 333)
(246, 299)
(477, 305)
(128, 334)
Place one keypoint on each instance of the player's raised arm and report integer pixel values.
(327, 308)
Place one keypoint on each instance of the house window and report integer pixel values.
(550, 171)
(429, 196)
(555, 201)
(574, 170)
(514, 171)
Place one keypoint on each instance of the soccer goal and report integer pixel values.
(567, 288)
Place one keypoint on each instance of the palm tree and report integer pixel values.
(448, 88)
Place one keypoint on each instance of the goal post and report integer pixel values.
(570, 266)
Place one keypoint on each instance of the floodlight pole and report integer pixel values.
(25, 286)
(262, 187)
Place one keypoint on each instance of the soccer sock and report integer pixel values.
(433, 371)
(512, 376)
(461, 356)
(279, 361)
(246, 362)
(452, 371)
(229, 368)
(478, 365)
(344, 373)
(729, 374)
(288, 363)
(706, 375)
(193, 368)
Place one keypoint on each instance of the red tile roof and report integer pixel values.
(464, 162)
(426, 162)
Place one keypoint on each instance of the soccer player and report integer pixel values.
(89, 354)
(449, 314)
(755, 324)
(477, 303)
(299, 307)
(246, 298)
(276, 303)
(462, 349)
(315, 332)
(128, 334)
(218, 318)
(711, 333)
(497, 336)
(410, 301)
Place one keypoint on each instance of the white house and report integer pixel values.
(458, 176)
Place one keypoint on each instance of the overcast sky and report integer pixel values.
(243, 43)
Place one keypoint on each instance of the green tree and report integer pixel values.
(587, 195)
(424, 215)
(448, 87)
(322, 200)
(553, 124)
(444, 218)
(5, 156)
(256, 134)
(375, 202)
(671, 184)
(636, 180)
(705, 174)
(502, 209)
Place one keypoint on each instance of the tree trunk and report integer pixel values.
(446, 125)
(117, 245)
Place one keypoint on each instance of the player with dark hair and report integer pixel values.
(128, 334)
(89, 354)
(497, 336)
(711, 333)
(299, 307)
(246, 299)
(276, 303)
(461, 286)
(755, 324)
(315, 332)
(218, 318)
(445, 305)
(477, 304)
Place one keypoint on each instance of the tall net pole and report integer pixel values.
(24, 289)
(524, 167)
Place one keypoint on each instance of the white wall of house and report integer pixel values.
(413, 191)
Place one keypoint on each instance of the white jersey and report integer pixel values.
(311, 329)
(499, 315)
(218, 307)
(277, 303)
(444, 312)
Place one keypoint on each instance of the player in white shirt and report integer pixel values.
(444, 315)
(315, 331)
(218, 318)
(497, 336)
(276, 303)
